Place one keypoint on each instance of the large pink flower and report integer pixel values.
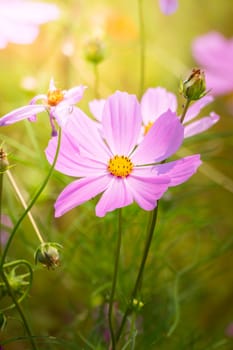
(110, 162)
(58, 103)
(157, 101)
(168, 7)
(215, 54)
(19, 20)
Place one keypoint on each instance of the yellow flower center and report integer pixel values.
(120, 166)
(147, 127)
(54, 97)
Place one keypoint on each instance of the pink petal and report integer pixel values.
(86, 134)
(121, 122)
(196, 107)
(200, 125)
(21, 113)
(19, 20)
(80, 191)
(155, 102)
(74, 95)
(180, 170)
(116, 196)
(168, 6)
(69, 161)
(162, 140)
(147, 190)
(96, 107)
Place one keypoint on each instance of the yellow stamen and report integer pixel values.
(147, 127)
(120, 166)
(54, 97)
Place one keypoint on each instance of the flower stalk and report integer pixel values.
(114, 281)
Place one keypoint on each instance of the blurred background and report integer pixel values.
(188, 281)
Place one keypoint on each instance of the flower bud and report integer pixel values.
(137, 304)
(4, 164)
(194, 87)
(94, 50)
(48, 254)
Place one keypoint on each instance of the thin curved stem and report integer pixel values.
(141, 270)
(20, 311)
(18, 193)
(142, 47)
(186, 106)
(114, 281)
(96, 83)
(1, 187)
(32, 202)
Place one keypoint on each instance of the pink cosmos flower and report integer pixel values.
(215, 54)
(157, 101)
(110, 162)
(168, 7)
(58, 103)
(19, 20)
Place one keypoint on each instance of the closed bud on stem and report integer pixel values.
(48, 254)
(4, 164)
(194, 88)
(137, 305)
(94, 50)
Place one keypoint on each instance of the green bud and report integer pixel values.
(4, 164)
(137, 305)
(94, 50)
(48, 254)
(194, 88)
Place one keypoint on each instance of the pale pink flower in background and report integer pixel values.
(20, 20)
(214, 53)
(168, 7)
(156, 101)
(58, 103)
(110, 162)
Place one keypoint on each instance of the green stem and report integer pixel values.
(1, 187)
(141, 269)
(114, 281)
(186, 106)
(20, 311)
(18, 193)
(96, 83)
(31, 203)
(142, 47)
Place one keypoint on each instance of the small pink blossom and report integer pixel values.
(214, 53)
(168, 7)
(20, 20)
(58, 103)
(110, 162)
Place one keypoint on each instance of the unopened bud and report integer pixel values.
(194, 87)
(137, 304)
(4, 164)
(94, 50)
(48, 254)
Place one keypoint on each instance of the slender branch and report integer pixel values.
(114, 281)
(141, 269)
(17, 191)
(142, 47)
(31, 203)
(186, 106)
(1, 187)
(96, 83)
